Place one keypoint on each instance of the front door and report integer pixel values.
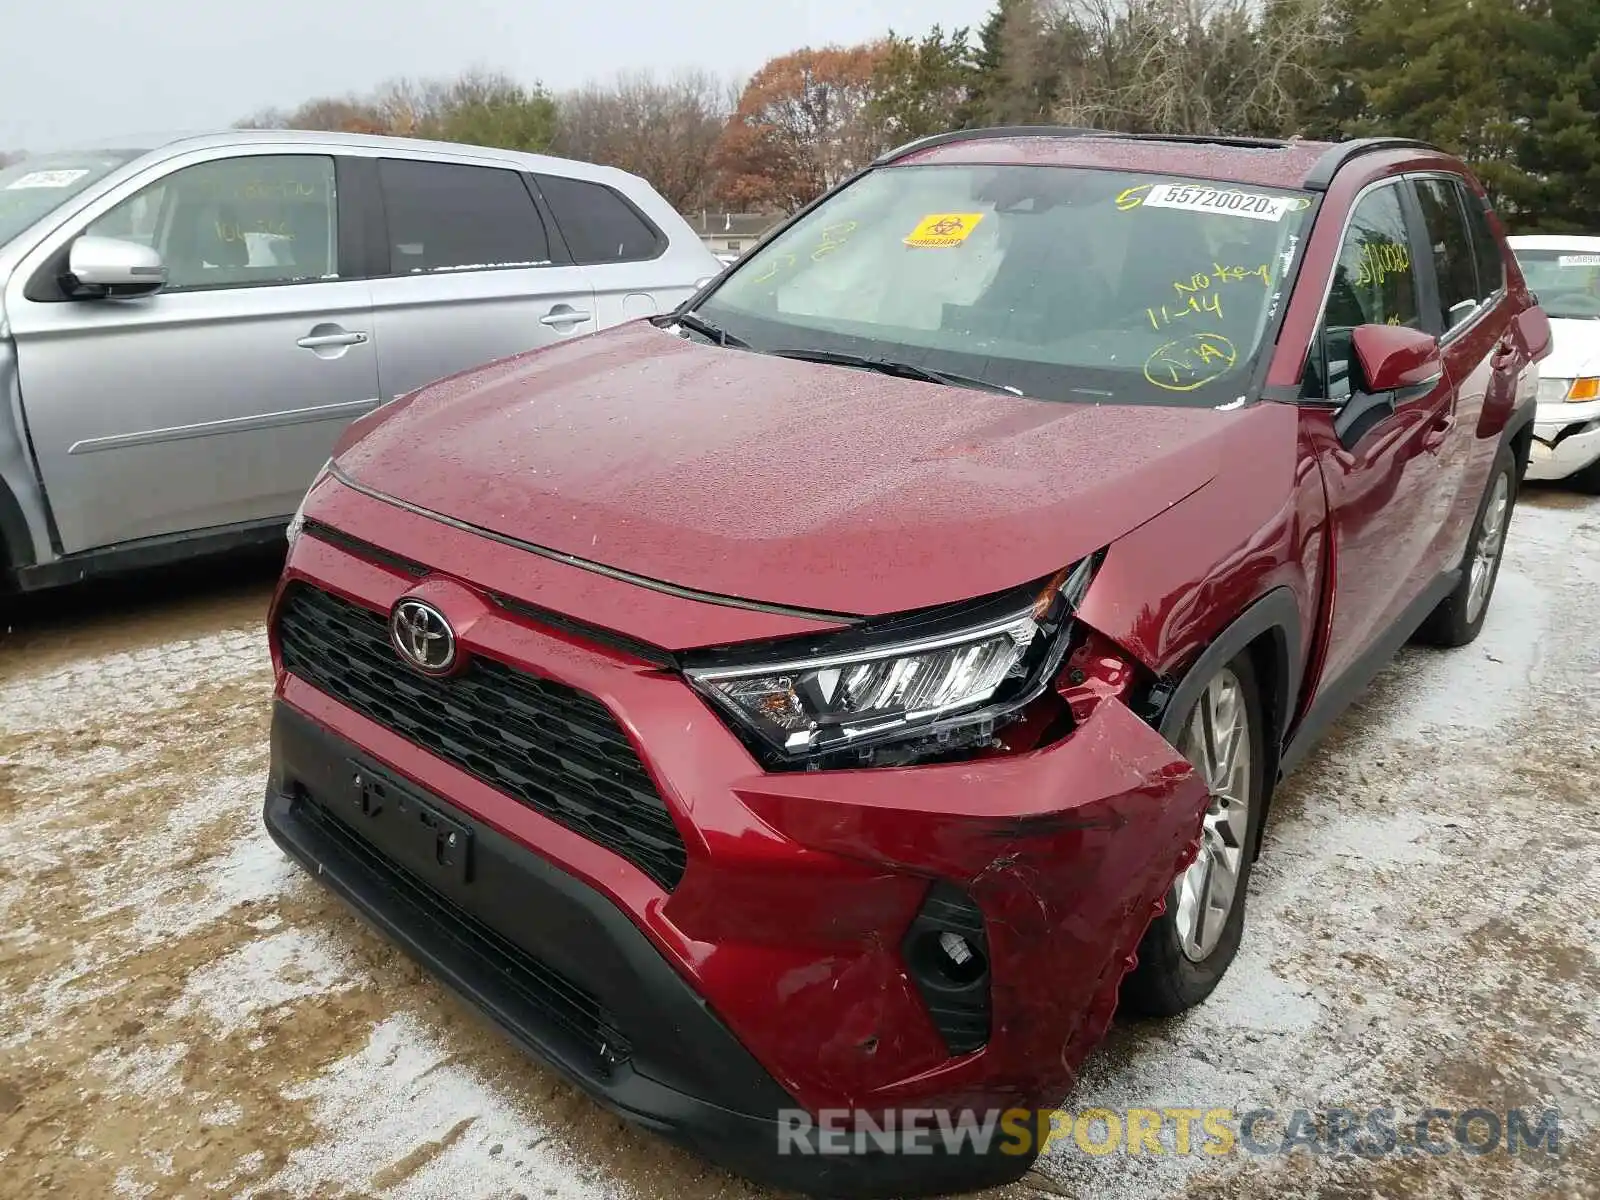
(212, 403)
(1381, 470)
(472, 273)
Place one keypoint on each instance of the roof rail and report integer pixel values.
(1073, 131)
(974, 135)
(1323, 170)
(1206, 139)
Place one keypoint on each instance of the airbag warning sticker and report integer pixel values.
(939, 230)
(1217, 200)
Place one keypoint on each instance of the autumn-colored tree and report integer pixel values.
(347, 115)
(666, 131)
(800, 127)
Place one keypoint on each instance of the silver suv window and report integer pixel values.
(454, 217)
(236, 222)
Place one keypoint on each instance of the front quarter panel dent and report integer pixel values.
(1070, 852)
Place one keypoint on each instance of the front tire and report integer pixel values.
(1459, 617)
(1188, 948)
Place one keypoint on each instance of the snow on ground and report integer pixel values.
(182, 1013)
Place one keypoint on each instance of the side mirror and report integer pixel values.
(1393, 357)
(100, 268)
(1535, 325)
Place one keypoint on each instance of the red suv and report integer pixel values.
(840, 693)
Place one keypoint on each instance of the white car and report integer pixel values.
(1564, 272)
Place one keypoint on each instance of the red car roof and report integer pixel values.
(1266, 165)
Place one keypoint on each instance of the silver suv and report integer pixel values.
(185, 330)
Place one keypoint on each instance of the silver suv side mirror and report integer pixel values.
(100, 268)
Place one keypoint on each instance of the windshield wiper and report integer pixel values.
(705, 328)
(902, 370)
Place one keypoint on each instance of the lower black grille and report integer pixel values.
(536, 985)
(549, 746)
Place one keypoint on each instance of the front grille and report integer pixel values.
(549, 746)
(538, 987)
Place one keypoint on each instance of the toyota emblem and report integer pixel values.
(423, 637)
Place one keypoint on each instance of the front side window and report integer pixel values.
(1374, 283)
(1485, 246)
(452, 217)
(32, 188)
(1454, 260)
(1567, 281)
(1063, 283)
(236, 222)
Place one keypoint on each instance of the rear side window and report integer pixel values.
(599, 225)
(1491, 265)
(449, 217)
(1454, 260)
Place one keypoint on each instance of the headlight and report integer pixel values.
(950, 686)
(297, 523)
(1553, 391)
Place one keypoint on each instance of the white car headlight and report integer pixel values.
(953, 684)
(1554, 391)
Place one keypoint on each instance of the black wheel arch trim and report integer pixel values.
(1274, 615)
(16, 542)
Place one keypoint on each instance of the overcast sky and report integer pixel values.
(73, 71)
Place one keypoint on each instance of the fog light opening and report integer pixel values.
(950, 958)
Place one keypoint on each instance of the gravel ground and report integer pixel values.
(182, 1014)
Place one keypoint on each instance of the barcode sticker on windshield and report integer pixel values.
(1217, 200)
(45, 179)
(1579, 260)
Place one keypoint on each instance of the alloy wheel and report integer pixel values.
(1491, 541)
(1217, 742)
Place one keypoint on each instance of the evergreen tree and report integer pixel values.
(1513, 86)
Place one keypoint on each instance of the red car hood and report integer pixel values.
(762, 478)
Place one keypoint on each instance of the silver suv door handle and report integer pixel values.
(569, 316)
(317, 341)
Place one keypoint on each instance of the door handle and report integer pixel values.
(1438, 432)
(317, 341)
(570, 316)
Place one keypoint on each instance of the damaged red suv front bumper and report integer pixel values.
(567, 833)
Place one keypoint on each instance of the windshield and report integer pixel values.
(31, 188)
(1062, 283)
(1567, 282)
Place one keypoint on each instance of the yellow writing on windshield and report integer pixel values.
(1190, 362)
(779, 262)
(942, 230)
(1162, 316)
(833, 236)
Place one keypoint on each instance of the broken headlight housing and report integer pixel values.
(901, 690)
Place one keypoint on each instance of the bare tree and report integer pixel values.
(1195, 66)
(665, 130)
